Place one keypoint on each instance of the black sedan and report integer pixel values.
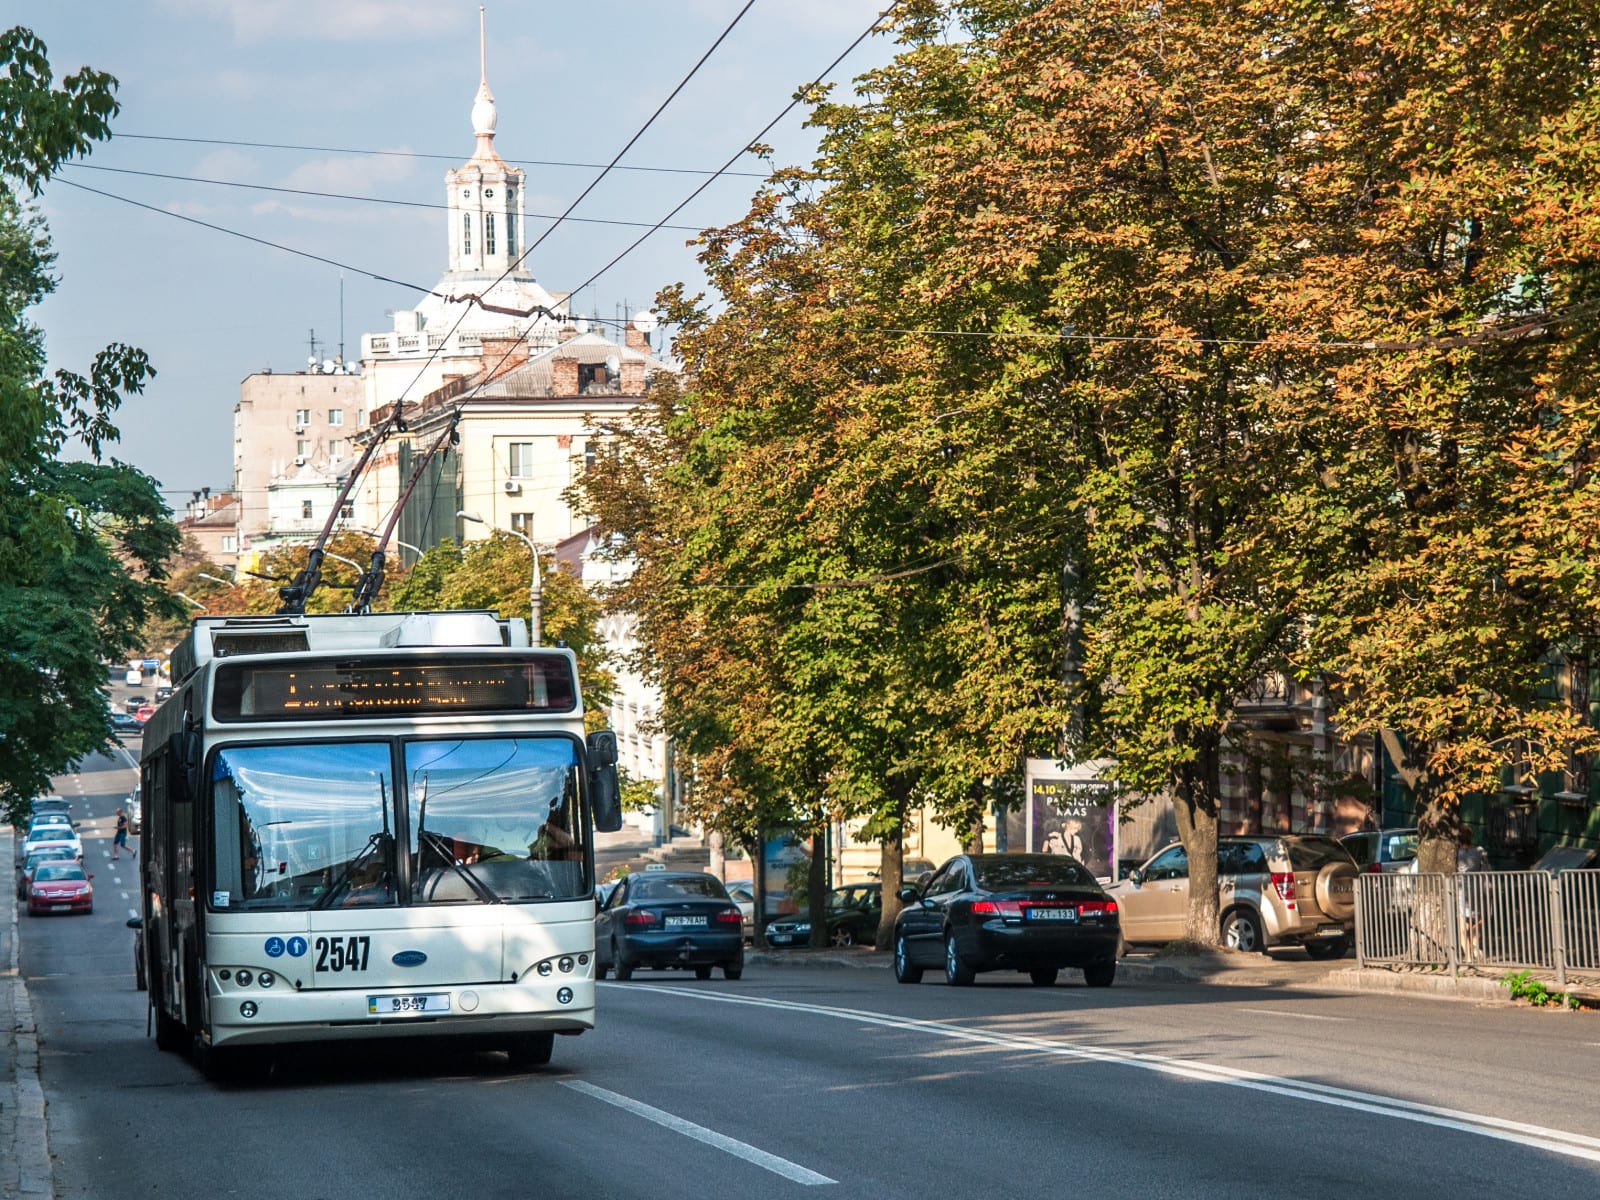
(669, 920)
(853, 913)
(1035, 913)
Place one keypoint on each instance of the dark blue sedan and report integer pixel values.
(1033, 913)
(668, 920)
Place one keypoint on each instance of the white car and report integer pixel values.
(51, 836)
(135, 811)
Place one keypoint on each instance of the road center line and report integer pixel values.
(760, 1158)
(1556, 1141)
(1279, 1012)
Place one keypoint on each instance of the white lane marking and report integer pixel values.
(770, 1162)
(1539, 1137)
(1279, 1012)
(133, 912)
(125, 895)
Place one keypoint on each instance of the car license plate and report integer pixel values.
(686, 922)
(408, 1006)
(780, 939)
(1052, 914)
(60, 907)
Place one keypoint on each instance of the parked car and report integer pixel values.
(133, 807)
(41, 823)
(60, 887)
(144, 713)
(1034, 913)
(31, 863)
(1293, 890)
(742, 893)
(162, 693)
(1381, 851)
(132, 703)
(51, 804)
(53, 836)
(669, 920)
(853, 915)
(122, 722)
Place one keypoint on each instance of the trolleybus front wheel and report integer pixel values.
(530, 1050)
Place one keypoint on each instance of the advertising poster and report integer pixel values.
(781, 851)
(1071, 812)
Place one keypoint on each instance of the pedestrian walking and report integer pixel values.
(120, 842)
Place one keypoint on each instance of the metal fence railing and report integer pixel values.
(1487, 920)
(1580, 919)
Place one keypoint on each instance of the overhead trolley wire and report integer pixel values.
(516, 162)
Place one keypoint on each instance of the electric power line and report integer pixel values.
(516, 162)
(384, 200)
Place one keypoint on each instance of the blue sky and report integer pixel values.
(571, 82)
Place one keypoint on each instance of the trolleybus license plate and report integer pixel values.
(408, 1006)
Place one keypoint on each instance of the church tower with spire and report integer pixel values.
(485, 194)
(488, 291)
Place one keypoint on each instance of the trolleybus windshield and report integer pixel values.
(473, 821)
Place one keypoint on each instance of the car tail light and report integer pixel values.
(1374, 868)
(642, 916)
(1094, 908)
(729, 916)
(1284, 882)
(997, 908)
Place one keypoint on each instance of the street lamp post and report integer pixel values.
(190, 599)
(227, 583)
(535, 585)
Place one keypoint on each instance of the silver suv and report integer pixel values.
(1293, 890)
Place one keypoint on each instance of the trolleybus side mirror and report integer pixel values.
(184, 749)
(605, 791)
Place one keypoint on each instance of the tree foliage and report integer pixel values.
(82, 545)
(1208, 339)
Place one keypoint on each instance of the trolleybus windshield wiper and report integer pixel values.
(426, 837)
(378, 839)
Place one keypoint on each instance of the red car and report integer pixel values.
(60, 887)
(144, 712)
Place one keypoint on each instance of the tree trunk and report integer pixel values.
(889, 874)
(1195, 806)
(817, 890)
(718, 865)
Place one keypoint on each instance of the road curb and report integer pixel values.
(24, 1136)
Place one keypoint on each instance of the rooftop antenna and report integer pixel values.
(315, 357)
(341, 316)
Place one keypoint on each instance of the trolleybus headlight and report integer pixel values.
(564, 996)
(247, 1009)
(266, 979)
(565, 964)
(583, 960)
(243, 977)
(544, 968)
(224, 974)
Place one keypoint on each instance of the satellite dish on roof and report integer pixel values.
(613, 365)
(327, 366)
(645, 321)
(583, 324)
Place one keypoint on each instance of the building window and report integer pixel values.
(302, 416)
(590, 454)
(347, 511)
(335, 447)
(466, 233)
(305, 510)
(230, 543)
(336, 416)
(511, 232)
(302, 448)
(521, 465)
(488, 233)
(361, 418)
(522, 523)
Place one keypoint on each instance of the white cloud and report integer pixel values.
(359, 174)
(226, 164)
(323, 20)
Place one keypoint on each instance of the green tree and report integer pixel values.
(82, 545)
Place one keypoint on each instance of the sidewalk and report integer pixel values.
(24, 1151)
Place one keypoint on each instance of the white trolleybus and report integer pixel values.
(370, 826)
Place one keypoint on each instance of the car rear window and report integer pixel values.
(1026, 872)
(699, 887)
(1398, 847)
(1314, 853)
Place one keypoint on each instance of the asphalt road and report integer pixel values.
(833, 1079)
